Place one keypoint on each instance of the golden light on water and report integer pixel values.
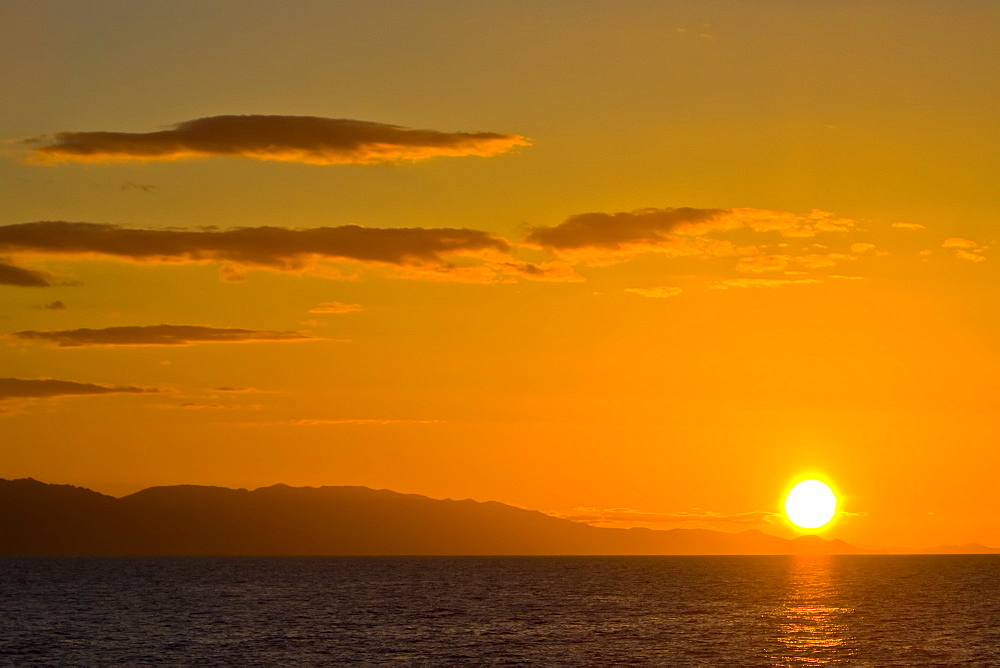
(810, 504)
(813, 629)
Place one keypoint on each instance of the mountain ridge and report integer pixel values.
(41, 518)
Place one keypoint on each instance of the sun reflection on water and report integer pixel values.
(812, 625)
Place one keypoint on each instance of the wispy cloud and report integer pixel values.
(974, 256)
(658, 292)
(156, 335)
(193, 406)
(305, 139)
(618, 231)
(822, 260)
(140, 187)
(802, 247)
(336, 307)
(965, 249)
(628, 515)
(277, 248)
(559, 272)
(25, 278)
(761, 263)
(321, 422)
(727, 283)
(677, 232)
(18, 388)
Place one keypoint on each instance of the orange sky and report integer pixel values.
(643, 264)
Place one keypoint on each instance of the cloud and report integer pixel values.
(958, 242)
(278, 248)
(479, 273)
(598, 515)
(558, 272)
(656, 292)
(618, 231)
(142, 187)
(762, 263)
(965, 249)
(367, 421)
(971, 257)
(909, 226)
(305, 139)
(192, 405)
(25, 278)
(790, 224)
(740, 238)
(336, 307)
(17, 388)
(821, 260)
(677, 232)
(727, 283)
(156, 335)
(55, 306)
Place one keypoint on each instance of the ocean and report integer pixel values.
(746, 610)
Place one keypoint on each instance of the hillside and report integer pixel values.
(38, 518)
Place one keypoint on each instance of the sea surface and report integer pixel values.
(501, 610)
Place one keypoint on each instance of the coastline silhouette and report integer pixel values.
(40, 518)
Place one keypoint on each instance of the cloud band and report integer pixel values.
(155, 335)
(272, 247)
(305, 139)
(18, 388)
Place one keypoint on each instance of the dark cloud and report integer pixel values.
(142, 187)
(307, 139)
(25, 278)
(615, 231)
(684, 231)
(540, 271)
(16, 388)
(271, 247)
(157, 335)
(55, 306)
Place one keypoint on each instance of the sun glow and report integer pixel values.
(810, 504)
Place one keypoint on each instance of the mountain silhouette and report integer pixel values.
(39, 518)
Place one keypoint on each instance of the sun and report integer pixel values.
(810, 504)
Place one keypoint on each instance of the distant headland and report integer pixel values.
(43, 519)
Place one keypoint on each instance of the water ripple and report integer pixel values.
(501, 611)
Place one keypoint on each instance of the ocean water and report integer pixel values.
(501, 610)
